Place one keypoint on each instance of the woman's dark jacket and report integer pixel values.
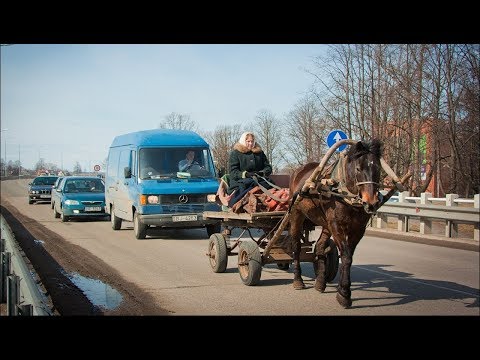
(243, 160)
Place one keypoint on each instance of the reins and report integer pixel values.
(265, 190)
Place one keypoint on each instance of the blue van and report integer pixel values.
(144, 184)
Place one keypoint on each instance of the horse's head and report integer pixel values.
(363, 172)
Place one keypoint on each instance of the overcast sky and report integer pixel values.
(66, 103)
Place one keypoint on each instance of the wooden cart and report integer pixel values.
(273, 245)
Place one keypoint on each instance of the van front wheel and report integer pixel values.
(116, 221)
(139, 228)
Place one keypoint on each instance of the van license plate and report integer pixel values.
(184, 218)
(93, 208)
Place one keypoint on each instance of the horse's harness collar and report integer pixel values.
(336, 185)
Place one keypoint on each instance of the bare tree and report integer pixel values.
(178, 121)
(306, 134)
(420, 100)
(221, 141)
(77, 168)
(40, 164)
(268, 134)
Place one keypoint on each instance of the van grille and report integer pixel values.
(174, 199)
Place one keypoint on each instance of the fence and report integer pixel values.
(18, 289)
(426, 209)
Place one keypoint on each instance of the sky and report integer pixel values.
(66, 102)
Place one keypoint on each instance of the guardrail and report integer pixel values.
(17, 286)
(426, 208)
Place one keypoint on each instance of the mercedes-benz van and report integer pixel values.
(143, 182)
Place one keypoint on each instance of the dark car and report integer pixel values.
(80, 197)
(40, 189)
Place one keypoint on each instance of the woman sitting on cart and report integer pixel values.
(246, 160)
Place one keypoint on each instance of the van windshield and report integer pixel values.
(184, 162)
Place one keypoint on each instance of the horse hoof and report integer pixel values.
(320, 286)
(298, 285)
(345, 302)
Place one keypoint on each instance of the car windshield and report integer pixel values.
(84, 186)
(44, 180)
(157, 163)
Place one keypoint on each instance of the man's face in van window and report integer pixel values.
(190, 155)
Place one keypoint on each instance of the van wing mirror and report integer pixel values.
(127, 172)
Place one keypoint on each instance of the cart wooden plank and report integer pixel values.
(230, 215)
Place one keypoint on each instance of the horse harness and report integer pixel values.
(332, 182)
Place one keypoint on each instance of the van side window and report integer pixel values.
(112, 165)
(124, 161)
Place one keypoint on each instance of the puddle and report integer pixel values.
(99, 293)
(39, 242)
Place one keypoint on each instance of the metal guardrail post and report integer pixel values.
(425, 222)
(13, 296)
(451, 228)
(5, 270)
(402, 220)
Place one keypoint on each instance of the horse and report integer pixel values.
(342, 203)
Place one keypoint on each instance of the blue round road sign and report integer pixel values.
(334, 136)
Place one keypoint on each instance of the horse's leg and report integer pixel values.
(296, 227)
(321, 258)
(344, 294)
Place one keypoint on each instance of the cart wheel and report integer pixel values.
(332, 262)
(217, 253)
(249, 263)
(283, 266)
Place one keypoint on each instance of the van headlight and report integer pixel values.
(149, 199)
(71, 202)
(153, 199)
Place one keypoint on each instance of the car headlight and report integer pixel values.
(72, 202)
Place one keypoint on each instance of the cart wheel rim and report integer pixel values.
(213, 254)
(243, 268)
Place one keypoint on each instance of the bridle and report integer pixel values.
(364, 182)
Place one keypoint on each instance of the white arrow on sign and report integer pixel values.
(337, 137)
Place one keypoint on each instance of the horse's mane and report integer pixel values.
(374, 146)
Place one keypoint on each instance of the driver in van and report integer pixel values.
(189, 162)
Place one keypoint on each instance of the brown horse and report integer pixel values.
(342, 206)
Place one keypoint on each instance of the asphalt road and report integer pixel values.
(170, 271)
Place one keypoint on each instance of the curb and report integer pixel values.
(453, 243)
